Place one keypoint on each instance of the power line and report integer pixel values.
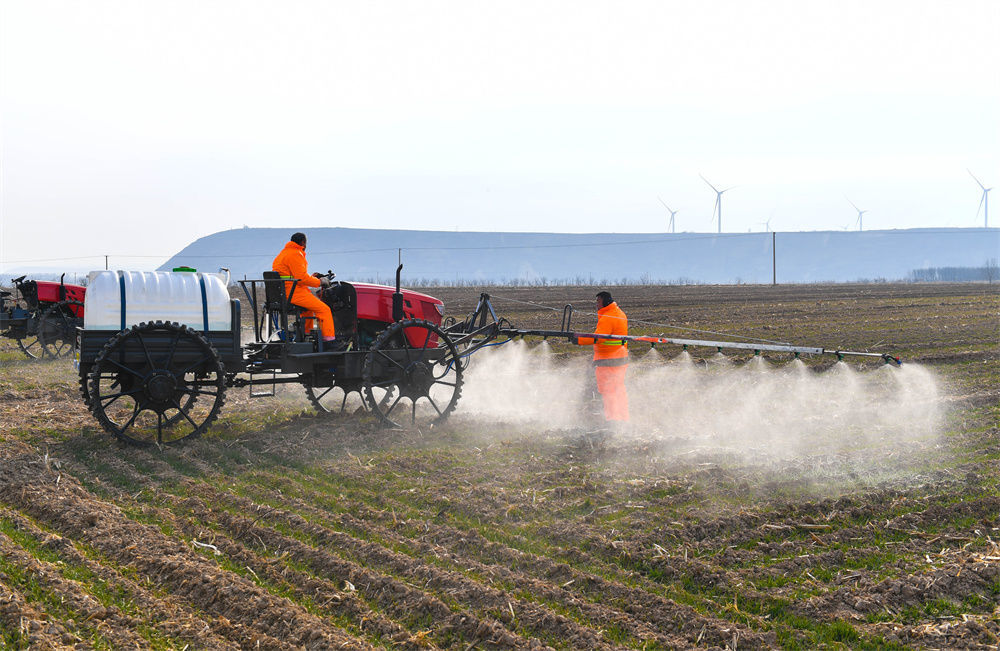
(674, 239)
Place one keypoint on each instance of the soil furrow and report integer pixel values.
(910, 527)
(811, 535)
(658, 610)
(981, 633)
(400, 599)
(955, 582)
(537, 617)
(29, 627)
(643, 614)
(327, 596)
(596, 615)
(263, 619)
(89, 614)
(171, 619)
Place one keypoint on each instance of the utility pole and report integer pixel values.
(105, 263)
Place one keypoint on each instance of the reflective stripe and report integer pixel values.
(204, 301)
(121, 286)
(614, 342)
(612, 361)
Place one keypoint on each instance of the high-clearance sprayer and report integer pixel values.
(158, 350)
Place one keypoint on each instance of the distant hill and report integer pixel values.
(597, 258)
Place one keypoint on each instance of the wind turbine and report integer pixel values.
(717, 210)
(860, 223)
(984, 203)
(672, 213)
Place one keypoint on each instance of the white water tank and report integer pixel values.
(116, 300)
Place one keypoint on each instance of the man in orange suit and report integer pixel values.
(610, 358)
(291, 265)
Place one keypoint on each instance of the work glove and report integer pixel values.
(324, 281)
(574, 338)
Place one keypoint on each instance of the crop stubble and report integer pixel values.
(331, 533)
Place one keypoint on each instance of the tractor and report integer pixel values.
(152, 375)
(42, 316)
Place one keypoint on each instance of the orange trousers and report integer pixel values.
(611, 385)
(318, 310)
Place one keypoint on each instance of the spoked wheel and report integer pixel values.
(334, 399)
(156, 383)
(30, 344)
(412, 375)
(57, 328)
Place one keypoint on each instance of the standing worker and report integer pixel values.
(291, 265)
(610, 357)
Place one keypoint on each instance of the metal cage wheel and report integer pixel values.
(30, 344)
(414, 383)
(57, 329)
(156, 383)
(85, 392)
(334, 398)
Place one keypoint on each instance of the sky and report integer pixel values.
(130, 129)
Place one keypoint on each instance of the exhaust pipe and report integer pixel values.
(397, 297)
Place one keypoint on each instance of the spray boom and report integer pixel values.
(483, 326)
(756, 347)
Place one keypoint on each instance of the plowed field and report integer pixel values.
(282, 529)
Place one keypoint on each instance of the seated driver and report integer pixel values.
(291, 265)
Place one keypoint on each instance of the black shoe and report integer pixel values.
(337, 345)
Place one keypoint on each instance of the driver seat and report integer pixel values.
(278, 308)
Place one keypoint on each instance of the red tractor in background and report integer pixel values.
(42, 316)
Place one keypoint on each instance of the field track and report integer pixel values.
(282, 529)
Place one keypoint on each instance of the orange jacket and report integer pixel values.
(610, 321)
(291, 263)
